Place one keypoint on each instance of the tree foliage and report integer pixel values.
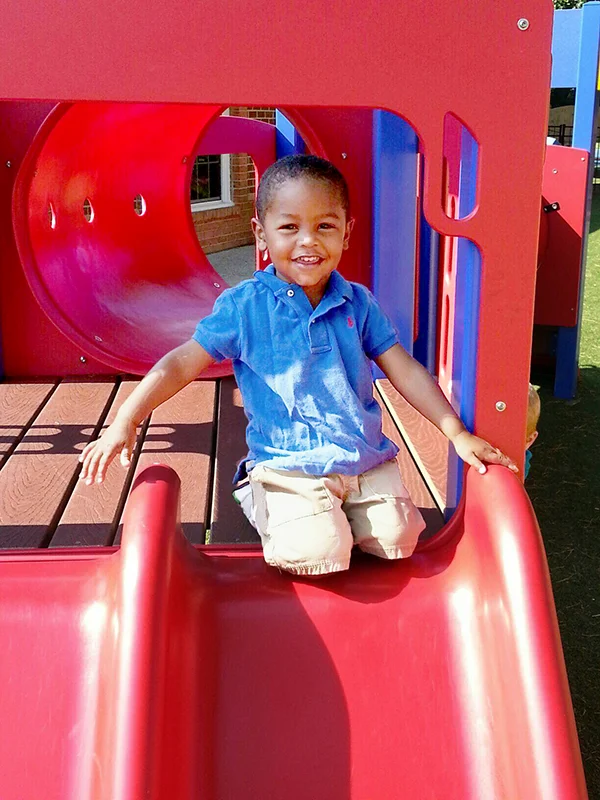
(568, 3)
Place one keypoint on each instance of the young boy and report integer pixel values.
(302, 338)
(534, 408)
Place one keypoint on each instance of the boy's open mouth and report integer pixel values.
(308, 261)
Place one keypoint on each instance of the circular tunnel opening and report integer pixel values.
(222, 194)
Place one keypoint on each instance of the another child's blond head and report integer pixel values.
(534, 408)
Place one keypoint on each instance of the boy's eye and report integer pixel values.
(289, 227)
(326, 225)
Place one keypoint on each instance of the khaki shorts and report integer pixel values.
(309, 524)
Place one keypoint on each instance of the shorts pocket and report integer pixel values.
(290, 496)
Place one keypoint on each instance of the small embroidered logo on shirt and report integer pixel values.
(350, 322)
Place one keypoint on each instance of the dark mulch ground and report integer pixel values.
(564, 486)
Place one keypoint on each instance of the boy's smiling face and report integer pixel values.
(305, 230)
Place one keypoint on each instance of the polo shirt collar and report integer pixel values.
(340, 285)
(337, 286)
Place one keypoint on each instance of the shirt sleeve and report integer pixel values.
(379, 333)
(219, 333)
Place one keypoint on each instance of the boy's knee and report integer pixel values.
(303, 530)
(389, 529)
(316, 545)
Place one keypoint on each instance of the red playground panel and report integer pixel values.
(561, 236)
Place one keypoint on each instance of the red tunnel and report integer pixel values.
(104, 229)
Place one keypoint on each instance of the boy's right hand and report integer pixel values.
(96, 456)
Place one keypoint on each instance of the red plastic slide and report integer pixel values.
(161, 671)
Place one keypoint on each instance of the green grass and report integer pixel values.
(564, 486)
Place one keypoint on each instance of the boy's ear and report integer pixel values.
(259, 234)
(347, 232)
(530, 439)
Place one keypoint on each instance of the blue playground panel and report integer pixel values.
(575, 53)
(288, 141)
(395, 210)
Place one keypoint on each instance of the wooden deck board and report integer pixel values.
(20, 403)
(181, 435)
(228, 523)
(427, 445)
(412, 478)
(91, 515)
(40, 473)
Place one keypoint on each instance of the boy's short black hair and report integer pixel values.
(299, 166)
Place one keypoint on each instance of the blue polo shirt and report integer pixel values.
(304, 373)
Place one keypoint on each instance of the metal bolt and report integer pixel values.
(500, 405)
(554, 171)
(583, 158)
(83, 359)
(8, 164)
(344, 155)
(523, 24)
(98, 338)
(217, 285)
(184, 160)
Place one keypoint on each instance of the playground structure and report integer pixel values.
(567, 195)
(163, 668)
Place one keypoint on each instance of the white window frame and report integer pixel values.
(225, 201)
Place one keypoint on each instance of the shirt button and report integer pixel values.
(290, 292)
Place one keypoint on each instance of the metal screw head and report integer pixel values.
(83, 359)
(554, 171)
(523, 24)
(217, 285)
(344, 155)
(8, 164)
(500, 405)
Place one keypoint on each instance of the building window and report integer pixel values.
(211, 183)
(206, 179)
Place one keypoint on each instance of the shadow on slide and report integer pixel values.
(161, 671)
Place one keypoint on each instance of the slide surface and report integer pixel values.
(162, 671)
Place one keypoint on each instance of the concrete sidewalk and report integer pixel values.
(235, 265)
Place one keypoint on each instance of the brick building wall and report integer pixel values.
(223, 228)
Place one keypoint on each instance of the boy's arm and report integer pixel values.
(415, 384)
(174, 371)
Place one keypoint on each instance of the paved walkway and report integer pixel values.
(235, 265)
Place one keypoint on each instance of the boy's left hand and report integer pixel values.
(475, 451)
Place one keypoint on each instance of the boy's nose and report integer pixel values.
(307, 237)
